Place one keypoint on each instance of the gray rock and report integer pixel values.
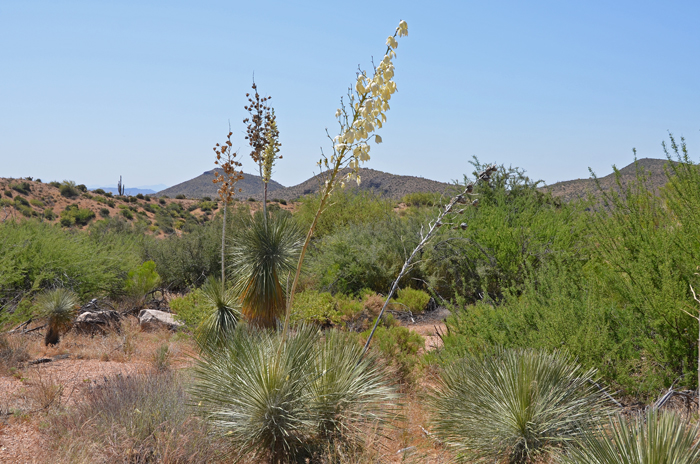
(152, 319)
(97, 321)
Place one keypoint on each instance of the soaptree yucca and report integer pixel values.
(514, 405)
(58, 307)
(223, 307)
(651, 438)
(262, 255)
(280, 399)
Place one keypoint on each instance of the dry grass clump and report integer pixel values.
(138, 418)
(13, 351)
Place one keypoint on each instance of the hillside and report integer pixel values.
(204, 186)
(578, 188)
(382, 183)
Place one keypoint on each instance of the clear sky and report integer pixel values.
(90, 90)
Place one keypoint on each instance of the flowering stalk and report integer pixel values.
(226, 159)
(363, 114)
(447, 212)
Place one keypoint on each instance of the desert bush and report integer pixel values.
(8, 193)
(58, 307)
(99, 191)
(400, 347)
(39, 255)
(55, 184)
(136, 418)
(141, 281)
(21, 201)
(514, 405)
(412, 300)
(656, 437)
(422, 199)
(68, 189)
(82, 188)
(349, 207)
(49, 214)
(314, 307)
(72, 215)
(13, 352)
(278, 399)
(140, 196)
(104, 212)
(180, 196)
(161, 200)
(190, 308)
(127, 214)
(24, 188)
(37, 203)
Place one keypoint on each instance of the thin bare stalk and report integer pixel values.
(459, 199)
(223, 247)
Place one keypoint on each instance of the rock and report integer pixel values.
(97, 321)
(152, 319)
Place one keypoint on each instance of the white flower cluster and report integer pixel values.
(367, 108)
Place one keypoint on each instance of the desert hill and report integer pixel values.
(382, 183)
(578, 188)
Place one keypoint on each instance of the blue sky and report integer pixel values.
(92, 90)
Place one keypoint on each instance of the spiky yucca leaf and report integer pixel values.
(347, 394)
(224, 313)
(58, 307)
(651, 438)
(514, 404)
(277, 399)
(264, 251)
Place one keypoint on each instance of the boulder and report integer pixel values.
(97, 321)
(152, 319)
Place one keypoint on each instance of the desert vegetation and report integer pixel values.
(289, 334)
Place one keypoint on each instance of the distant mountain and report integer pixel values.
(204, 186)
(578, 188)
(381, 183)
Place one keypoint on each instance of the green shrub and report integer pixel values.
(399, 346)
(37, 203)
(49, 214)
(104, 212)
(82, 188)
(72, 215)
(139, 196)
(515, 405)
(424, 199)
(161, 201)
(24, 188)
(142, 280)
(109, 194)
(99, 191)
(190, 308)
(311, 306)
(127, 214)
(8, 193)
(55, 184)
(180, 196)
(411, 299)
(68, 189)
(20, 201)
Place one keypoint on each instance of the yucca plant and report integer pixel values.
(277, 399)
(264, 251)
(656, 437)
(224, 313)
(514, 405)
(58, 307)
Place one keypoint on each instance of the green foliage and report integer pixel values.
(127, 214)
(55, 184)
(49, 214)
(263, 251)
(423, 199)
(514, 405)
(24, 188)
(19, 201)
(399, 346)
(8, 193)
(315, 307)
(58, 307)
(180, 196)
(190, 308)
(142, 280)
(411, 299)
(36, 255)
(347, 207)
(99, 191)
(279, 399)
(657, 437)
(37, 203)
(104, 212)
(68, 189)
(75, 216)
